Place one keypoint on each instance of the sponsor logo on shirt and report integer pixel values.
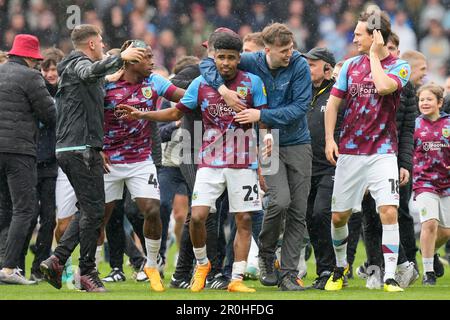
(362, 90)
(434, 145)
(219, 109)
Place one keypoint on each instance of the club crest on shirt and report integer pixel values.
(446, 132)
(147, 92)
(353, 89)
(242, 91)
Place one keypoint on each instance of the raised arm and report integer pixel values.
(88, 71)
(384, 83)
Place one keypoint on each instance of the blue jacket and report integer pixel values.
(288, 93)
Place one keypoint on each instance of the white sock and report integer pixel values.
(339, 237)
(403, 265)
(238, 270)
(98, 255)
(152, 247)
(390, 242)
(428, 264)
(200, 255)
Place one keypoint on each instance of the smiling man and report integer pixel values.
(366, 157)
(287, 78)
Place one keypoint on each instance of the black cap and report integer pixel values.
(321, 54)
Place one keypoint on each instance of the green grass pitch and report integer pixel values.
(131, 290)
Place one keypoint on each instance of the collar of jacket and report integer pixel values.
(18, 60)
(325, 84)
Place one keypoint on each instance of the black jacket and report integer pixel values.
(182, 80)
(79, 100)
(316, 123)
(406, 118)
(25, 102)
(446, 105)
(46, 160)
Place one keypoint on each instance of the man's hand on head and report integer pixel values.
(133, 54)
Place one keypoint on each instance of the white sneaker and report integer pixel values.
(141, 276)
(374, 281)
(15, 278)
(406, 275)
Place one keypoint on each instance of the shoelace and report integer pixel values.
(268, 266)
(93, 276)
(18, 272)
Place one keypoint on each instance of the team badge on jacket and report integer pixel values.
(147, 92)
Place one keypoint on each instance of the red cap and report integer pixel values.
(221, 29)
(27, 46)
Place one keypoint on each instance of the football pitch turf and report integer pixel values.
(131, 290)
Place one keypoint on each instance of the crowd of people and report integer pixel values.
(295, 147)
(175, 28)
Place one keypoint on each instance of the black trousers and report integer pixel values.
(18, 180)
(318, 221)
(84, 169)
(46, 212)
(119, 242)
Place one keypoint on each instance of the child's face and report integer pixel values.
(428, 104)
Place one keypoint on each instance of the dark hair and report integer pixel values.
(213, 38)
(228, 41)
(277, 34)
(255, 37)
(377, 20)
(83, 32)
(52, 56)
(394, 39)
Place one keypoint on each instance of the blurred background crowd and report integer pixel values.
(176, 28)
